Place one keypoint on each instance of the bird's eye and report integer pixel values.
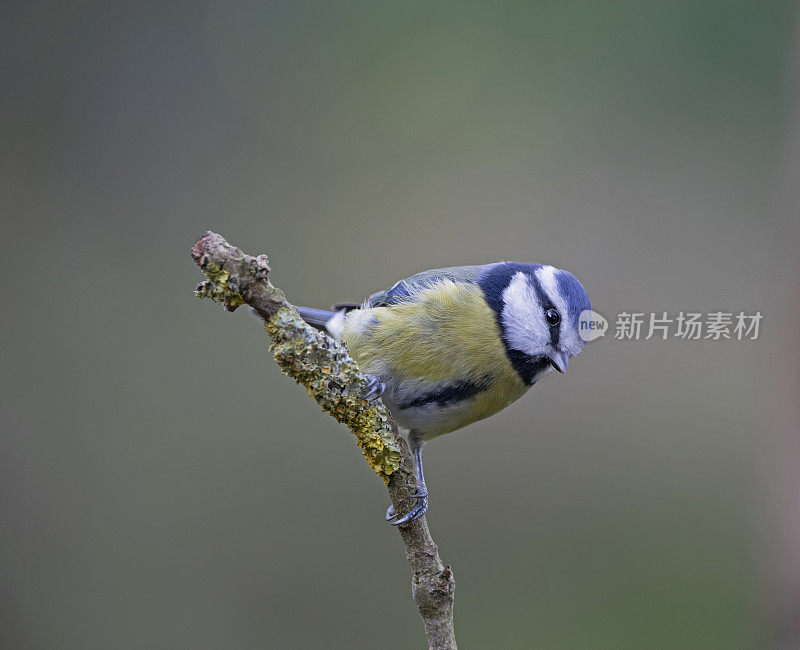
(552, 316)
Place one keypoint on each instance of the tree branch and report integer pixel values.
(333, 379)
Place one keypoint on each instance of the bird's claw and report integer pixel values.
(374, 388)
(420, 508)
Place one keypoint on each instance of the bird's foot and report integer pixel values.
(420, 508)
(374, 388)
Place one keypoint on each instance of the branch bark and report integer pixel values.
(330, 376)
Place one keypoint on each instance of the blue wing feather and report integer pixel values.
(402, 290)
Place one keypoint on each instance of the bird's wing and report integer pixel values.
(400, 291)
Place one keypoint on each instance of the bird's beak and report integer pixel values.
(559, 360)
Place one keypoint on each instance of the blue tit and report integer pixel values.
(452, 346)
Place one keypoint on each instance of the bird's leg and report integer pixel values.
(421, 495)
(374, 388)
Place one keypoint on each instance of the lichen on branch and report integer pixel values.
(328, 373)
(216, 288)
(324, 367)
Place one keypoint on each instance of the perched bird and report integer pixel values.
(447, 347)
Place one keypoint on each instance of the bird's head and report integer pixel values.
(537, 309)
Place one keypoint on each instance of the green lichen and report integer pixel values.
(217, 288)
(333, 379)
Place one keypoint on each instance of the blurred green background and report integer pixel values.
(162, 486)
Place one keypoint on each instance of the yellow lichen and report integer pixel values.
(332, 378)
(217, 289)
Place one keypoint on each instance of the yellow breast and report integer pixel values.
(444, 334)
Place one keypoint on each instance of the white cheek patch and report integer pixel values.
(523, 322)
(568, 336)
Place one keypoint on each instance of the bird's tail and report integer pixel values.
(315, 316)
(332, 321)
